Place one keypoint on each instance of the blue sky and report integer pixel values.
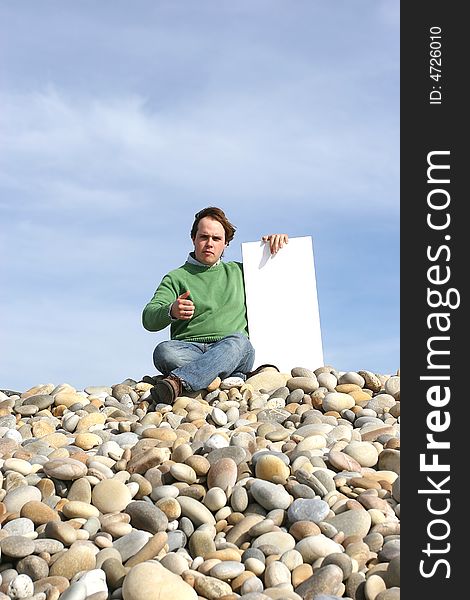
(120, 120)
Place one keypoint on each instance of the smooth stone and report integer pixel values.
(337, 401)
(219, 416)
(211, 588)
(159, 583)
(312, 481)
(352, 377)
(195, 511)
(365, 453)
(270, 495)
(279, 539)
(42, 401)
(131, 543)
(276, 573)
(182, 472)
(80, 490)
(316, 546)
(304, 372)
(16, 546)
(236, 453)
(20, 586)
(21, 526)
(66, 469)
(170, 507)
(352, 522)
(215, 499)
(17, 464)
(391, 549)
(393, 572)
(164, 491)
(343, 462)
(308, 510)
(75, 559)
(38, 512)
(48, 545)
(373, 586)
(396, 489)
(33, 566)
(340, 559)
(151, 549)
(81, 510)
(63, 532)
(389, 460)
(239, 499)
(325, 580)
(177, 539)
(115, 572)
(222, 474)
(87, 440)
(372, 382)
(271, 468)
(327, 380)
(307, 384)
(111, 495)
(201, 542)
(174, 562)
(238, 534)
(226, 570)
(392, 386)
(268, 379)
(16, 498)
(94, 582)
(381, 403)
(146, 516)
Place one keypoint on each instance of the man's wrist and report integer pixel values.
(169, 313)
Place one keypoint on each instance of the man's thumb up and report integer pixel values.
(183, 308)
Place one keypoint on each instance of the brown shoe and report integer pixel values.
(260, 369)
(167, 390)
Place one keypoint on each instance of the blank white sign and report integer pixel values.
(282, 304)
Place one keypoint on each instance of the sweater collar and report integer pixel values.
(193, 261)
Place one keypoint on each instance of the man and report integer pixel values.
(203, 301)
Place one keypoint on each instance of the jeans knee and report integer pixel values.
(162, 355)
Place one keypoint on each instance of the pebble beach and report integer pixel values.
(285, 486)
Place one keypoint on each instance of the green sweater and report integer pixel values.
(218, 294)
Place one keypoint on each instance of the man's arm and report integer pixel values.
(276, 241)
(156, 315)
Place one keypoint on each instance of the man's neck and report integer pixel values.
(194, 261)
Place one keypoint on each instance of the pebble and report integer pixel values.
(325, 580)
(352, 522)
(159, 583)
(16, 546)
(20, 587)
(110, 495)
(308, 510)
(65, 468)
(76, 559)
(284, 486)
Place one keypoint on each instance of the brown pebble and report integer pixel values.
(301, 574)
(38, 512)
(302, 529)
(57, 581)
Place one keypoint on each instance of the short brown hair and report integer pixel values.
(218, 215)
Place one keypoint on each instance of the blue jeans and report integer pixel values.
(198, 364)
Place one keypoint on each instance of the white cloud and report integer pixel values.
(117, 152)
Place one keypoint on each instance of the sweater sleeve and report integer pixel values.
(155, 315)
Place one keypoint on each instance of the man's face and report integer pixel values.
(209, 242)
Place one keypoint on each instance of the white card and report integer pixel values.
(282, 304)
